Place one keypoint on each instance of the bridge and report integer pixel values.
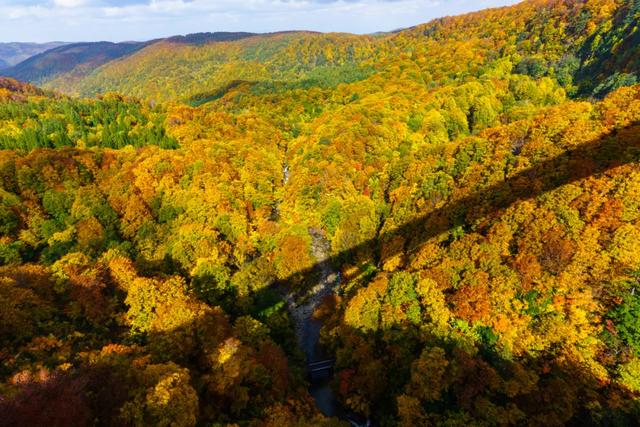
(320, 370)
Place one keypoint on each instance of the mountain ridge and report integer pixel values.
(13, 53)
(446, 218)
(571, 58)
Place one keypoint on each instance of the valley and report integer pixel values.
(438, 225)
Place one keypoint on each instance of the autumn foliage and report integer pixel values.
(476, 179)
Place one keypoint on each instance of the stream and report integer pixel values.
(307, 328)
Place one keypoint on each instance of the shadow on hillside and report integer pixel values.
(456, 375)
(545, 391)
(618, 148)
(476, 383)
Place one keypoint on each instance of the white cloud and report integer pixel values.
(69, 3)
(45, 20)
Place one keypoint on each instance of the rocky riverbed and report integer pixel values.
(302, 307)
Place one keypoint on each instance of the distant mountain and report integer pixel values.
(597, 53)
(449, 209)
(203, 38)
(62, 66)
(203, 65)
(14, 53)
(77, 59)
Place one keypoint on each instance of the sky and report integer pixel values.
(121, 20)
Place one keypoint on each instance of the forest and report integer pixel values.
(476, 181)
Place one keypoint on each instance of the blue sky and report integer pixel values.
(118, 20)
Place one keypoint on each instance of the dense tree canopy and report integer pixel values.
(476, 181)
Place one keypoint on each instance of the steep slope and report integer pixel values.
(611, 57)
(485, 226)
(578, 43)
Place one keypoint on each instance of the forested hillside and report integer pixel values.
(172, 69)
(589, 47)
(62, 67)
(69, 62)
(476, 180)
(30, 119)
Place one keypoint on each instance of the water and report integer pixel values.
(308, 328)
(320, 389)
(325, 399)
